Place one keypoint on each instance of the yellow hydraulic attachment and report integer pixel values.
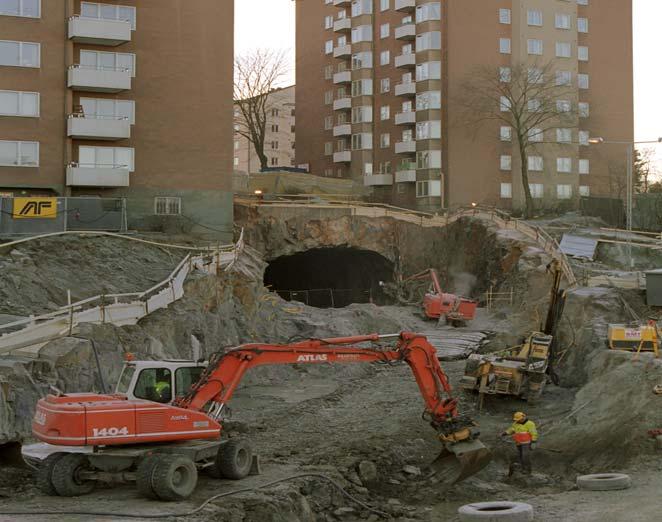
(635, 338)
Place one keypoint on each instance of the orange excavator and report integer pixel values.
(161, 444)
(437, 304)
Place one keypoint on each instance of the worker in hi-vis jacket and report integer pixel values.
(525, 435)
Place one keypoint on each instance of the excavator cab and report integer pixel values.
(158, 381)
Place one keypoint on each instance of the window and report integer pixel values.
(505, 74)
(582, 2)
(155, 384)
(584, 191)
(328, 22)
(426, 12)
(236, 161)
(563, 49)
(274, 128)
(428, 71)
(328, 72)
(564, 191)
(582, 81)
(362, 33)
(536, 135)
(506, 190)
(535, 75)
(385, 112)
(504, 104)
(563, 77)
(504, 16)
(103, 108)
(563, 106)
(274, 162)
(504, 45)
(361, 7)
(362, 141)
(384, 30)
(367, 168)
(582, 25)
(19, 153)
(385, 85)
(17, 103)
(584, 166)
(328, 148)
(109, 12)
(534, 46)
(564, 165)
(428, 188)
(426, 130)
(385, 141)
(431, 40)
(328, 47)
(407, 135)
(584, 110)
(506, 162)
(19, 54)
(536, 163)
(362, 114)
(166, 206)
(562, 21)
(328, 122)
(25, 8)
(236, 144)
(185, 378)
(506, 133)
(362, 60)
(362, 87)
(537, 190)
(108, 157)
(407, 106)
(428, 100)
(534, 17)
(582, 53)
(384, 5)
(584, 137)
(564, 135)
(533, 105)
(106, 61)
(328, 97)
(384, 57)
(428, 159)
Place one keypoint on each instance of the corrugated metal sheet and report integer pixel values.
(577, 246)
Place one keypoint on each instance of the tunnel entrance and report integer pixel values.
(330, 277)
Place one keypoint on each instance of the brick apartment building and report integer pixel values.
(129, 98)
(376, 80)
(279, 135)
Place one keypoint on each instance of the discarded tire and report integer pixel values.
(604, 481)
(234, 459)
(496, 512)
(66, 475)
(144, 475)
(44, 473)
(174, 477)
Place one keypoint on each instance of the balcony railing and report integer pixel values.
(342, 77)
(342, 51)
(406, 61)
(97, 31)
(342, 104)
(405, 147)
(99, 79)
(405, 89)
(95, 127)
(344, 156)
(344, 25)
(405, 5)
(342, 3)
(344, 129)
(405, 118)
(406, 32)
(406, 172)
(372, 180)
(97, 175)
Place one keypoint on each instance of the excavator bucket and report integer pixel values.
(461, 460)
(11, 456)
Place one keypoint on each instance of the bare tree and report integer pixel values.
(530, 98)
(257, 75)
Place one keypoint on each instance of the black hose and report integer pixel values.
(200, 507)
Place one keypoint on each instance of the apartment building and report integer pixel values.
(129, 98)
(279, 136)
(377, 81)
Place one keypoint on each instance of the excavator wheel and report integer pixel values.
(174, 477)
(234, 459)
(44, 474)
(65, 475)
(144, 475)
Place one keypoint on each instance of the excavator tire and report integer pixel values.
(44, 474)
(604, 481)
(65, 475)
(496, 511)
(174, 477)
(144, 475)
(234, 459)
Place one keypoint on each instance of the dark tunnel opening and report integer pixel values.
(330, 277)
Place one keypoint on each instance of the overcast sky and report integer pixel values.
(270, 23)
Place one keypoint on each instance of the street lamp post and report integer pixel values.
(629, 193)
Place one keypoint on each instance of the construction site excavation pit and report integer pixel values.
(330, 277)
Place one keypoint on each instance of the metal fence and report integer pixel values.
(328, 297)
(40, 215)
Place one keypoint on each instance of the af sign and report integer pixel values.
(35, 208)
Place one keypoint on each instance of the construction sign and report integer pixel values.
(35, 208)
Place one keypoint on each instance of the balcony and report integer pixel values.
(405, 6)
(405, 147)
(342, 77)
(342, 130)
(406, 32)
(99, 32)
(342, 3)
(344, 156)
(406, 61)
(405, 118)
(344, 25)
(342, 104)
(406, 173)
(97, 175)
(405, 89)
(372, 180)
(82, 78)
(98, 127)
(343, 51)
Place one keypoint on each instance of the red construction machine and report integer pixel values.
(162, 443)
(454, 309)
